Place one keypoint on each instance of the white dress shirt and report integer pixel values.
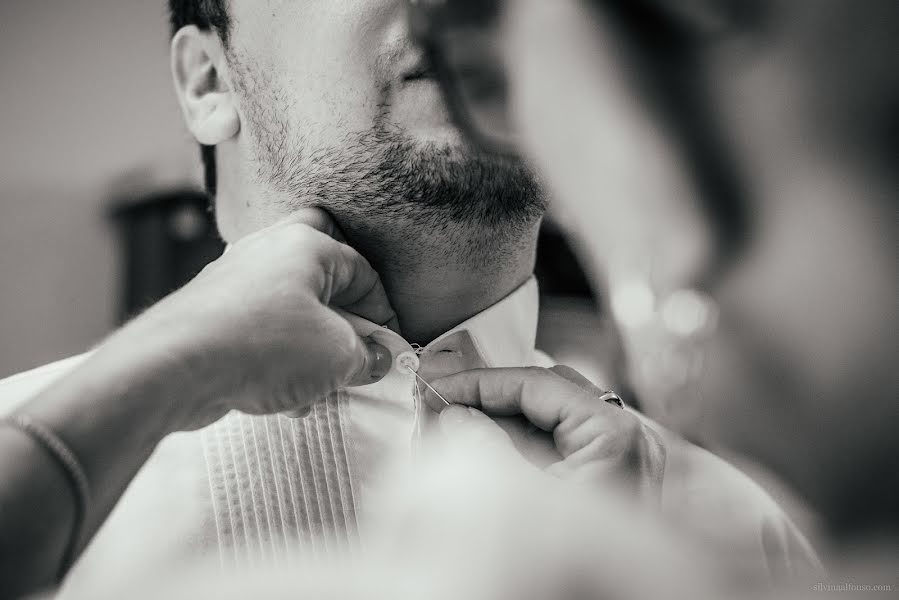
(250, 489)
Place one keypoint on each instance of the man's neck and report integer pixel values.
(437, 280)
(436, 274)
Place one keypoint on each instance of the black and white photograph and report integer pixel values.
(449, 299)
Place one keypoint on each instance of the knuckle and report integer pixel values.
(297, 234)
(309, 244)
(597, 426)
(617, 437)
(590, 438)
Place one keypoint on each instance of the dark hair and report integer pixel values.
(206, 15)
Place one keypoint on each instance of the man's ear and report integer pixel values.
(198, 68)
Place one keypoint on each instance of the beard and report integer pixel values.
(383, 175)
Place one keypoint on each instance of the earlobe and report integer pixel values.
(198, 69)
(221, 123)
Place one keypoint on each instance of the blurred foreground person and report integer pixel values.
(473, 520)
(764, 196)
(803, 96)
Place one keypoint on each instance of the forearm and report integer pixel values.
(111, 412)
(251, 332)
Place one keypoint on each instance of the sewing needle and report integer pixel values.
(428, 385)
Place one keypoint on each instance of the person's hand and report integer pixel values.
(257, 330)
(600, 443)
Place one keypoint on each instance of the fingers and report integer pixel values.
(375, 363)
(350, 282)
(574, 415)
(316, 218)
(598, 442)
(353, 284)
(356, 287)
(342, 277)
(539, 394)
(587, 385)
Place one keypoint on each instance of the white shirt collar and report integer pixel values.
(503, 335)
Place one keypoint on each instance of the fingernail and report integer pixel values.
(298, 414)
(454, 415)
(380, 359)
(377, 364)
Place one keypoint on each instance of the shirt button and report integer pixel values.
(407, 361)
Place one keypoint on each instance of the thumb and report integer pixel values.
(472, 427)
(376, 363)
(316, 218)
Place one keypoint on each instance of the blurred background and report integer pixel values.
(100, 208)
(87, 118)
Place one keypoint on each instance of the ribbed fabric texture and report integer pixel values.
(281, 488)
